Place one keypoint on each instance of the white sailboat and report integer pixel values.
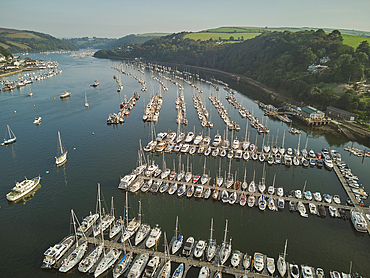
(166, 269)
(132, 226)
(177, 239)
(62, 158)
(123, 264)
(10, 135)
(225, 250)
(75, 257)
(92, 258)
(281, 263)
(105, 220)
(211, 248)
(86, 103)
(107, 261)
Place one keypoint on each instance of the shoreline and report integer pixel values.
(345, 132)
(2, 75)
(269, 93)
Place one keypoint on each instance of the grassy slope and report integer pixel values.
(354, 41)
(19, 45)
(351, 37)
(23, 35)
(4, 45)
(152, 34)
(207, 35)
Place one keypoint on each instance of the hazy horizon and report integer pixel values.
(115, 18)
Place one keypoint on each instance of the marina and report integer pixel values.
(98, 152)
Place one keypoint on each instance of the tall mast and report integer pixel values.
(112, 207)
(210, 237)
(139, 214)
(286, 243)
(225, 232)
(305, 146)
(204, 168)
(177, 219)
(60, 142)
(74, 226)
(126, 210)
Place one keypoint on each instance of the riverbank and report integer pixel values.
(339, 129)
(6, 74)
(275, 97)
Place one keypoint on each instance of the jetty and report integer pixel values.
(286, 198)
(187, 261)
(351, 195)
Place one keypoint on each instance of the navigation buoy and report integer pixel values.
(93, 133)
(54, 98)
(15, 111)
(34, 105)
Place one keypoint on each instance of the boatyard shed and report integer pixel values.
(336, 113)
(312, 113)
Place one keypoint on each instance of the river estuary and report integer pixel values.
(99, 153)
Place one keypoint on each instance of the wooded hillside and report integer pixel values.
(279, 60)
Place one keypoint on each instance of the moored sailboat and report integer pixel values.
(133, 225)
(123, 264)
(281, 263)
(166, 269)
(9, 136)
(225, 250)
(177, 240)
(62, 158)
(75, 257)
(107, 261)
(211, 248)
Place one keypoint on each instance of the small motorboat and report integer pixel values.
(37, 120)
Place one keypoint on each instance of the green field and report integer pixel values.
(153, 34)
(234, 30)
(354, 41)
(224, 36)
(19, 45)
(23, 35)
(4, 45)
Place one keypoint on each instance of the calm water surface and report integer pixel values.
(28, 229)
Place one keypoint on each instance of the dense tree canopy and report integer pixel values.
(5, 52)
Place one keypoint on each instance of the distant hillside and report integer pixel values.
(239, 34)
(29, 41)
(94, 43)
(135, 39)
(101, 43)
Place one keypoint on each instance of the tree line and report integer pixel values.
(278, 59)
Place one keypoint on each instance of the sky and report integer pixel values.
(118, 18)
